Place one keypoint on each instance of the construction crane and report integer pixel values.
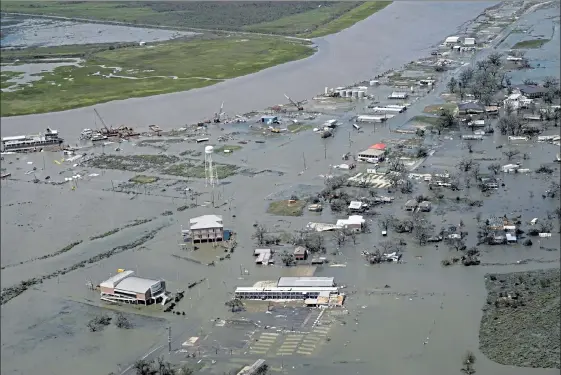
(217, 116)
(296, 104)
(102, 122)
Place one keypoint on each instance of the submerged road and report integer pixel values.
(400, 33)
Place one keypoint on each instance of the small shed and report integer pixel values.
(300, 253)
(411, 205)
(469, 41)
(356, 206)
(425, 206)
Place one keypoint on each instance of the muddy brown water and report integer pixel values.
(426, 302)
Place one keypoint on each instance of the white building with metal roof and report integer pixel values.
(206, 228)
(302, 282)
(124, 287)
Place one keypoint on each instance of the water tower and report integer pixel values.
(211, 175)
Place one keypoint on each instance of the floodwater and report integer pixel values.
(400, 33)
(383, 333)
(35, 32)
(33, 72)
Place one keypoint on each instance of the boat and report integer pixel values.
(26, 142)
(96, 137)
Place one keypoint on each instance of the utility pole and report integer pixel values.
(304, 159)
(325, 150)
(169, 339)
(112, 186)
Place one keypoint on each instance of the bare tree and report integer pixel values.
(350, 234)
(495, 168)
(260, 233)
(396, 165)
(452, 85)
(456, 244)
(385, 222)
(447, 120)
(422, 230)
(511, 153)
(407, 186)
(394, 179)
(465, 76)
(468, 363)
(466, 165)
(339, 238)
(386, 246)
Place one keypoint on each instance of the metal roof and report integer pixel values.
(304, 282)
(371, 152)
(206, 221)
(116, 279)
(136, 284)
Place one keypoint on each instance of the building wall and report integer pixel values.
(206, 235)
(107, 290)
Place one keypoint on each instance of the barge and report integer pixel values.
(31, 142)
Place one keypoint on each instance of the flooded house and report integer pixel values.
(467, 108)
(425, 206)
(206, 228)
(532, 91)
(300, 253)
(264, 256)
(411, 205)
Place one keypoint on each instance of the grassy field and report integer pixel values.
(349, 18)
(143, 179)
(435, 109)
(315, 18)
(528, 44)
(161, 68)
(7, 75)
(286, 208)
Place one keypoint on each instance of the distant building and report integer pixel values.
(371, 154)
(264, 256)
(469, 41)
(452, 40)
(411, 205)
(206, 228)
(516, 101)
(124, 287)
(300, 253)
(532, 91)
(292, 288)
(357, 206)
(398, 95)
(425, 206)
(470, 108)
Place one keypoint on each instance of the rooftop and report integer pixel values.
(206, 221)
(300, 250)
(136, 284)
(116, 279)
(302, 282)
(371, 152)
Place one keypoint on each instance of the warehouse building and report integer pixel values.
(124, 287)
(290, 288)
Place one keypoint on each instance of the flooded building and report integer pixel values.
(410, 205)
(124, 287)
(264, 256)
(300, 253)
(206, 228)
(290, 288)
